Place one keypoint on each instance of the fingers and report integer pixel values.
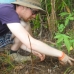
(62, 63)
(67, 60)
(41, 56)
(71, 59)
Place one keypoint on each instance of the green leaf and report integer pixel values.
(57, 36)
(64, 13)
(66, 36)
(72, 41)
(61, 27)
(67, 43)
(60, 39)
(71, 18)
(66, 22)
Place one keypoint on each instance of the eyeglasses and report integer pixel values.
(34, 11)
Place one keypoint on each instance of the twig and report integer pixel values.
(31, 53)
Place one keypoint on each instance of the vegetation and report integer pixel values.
(58, 22)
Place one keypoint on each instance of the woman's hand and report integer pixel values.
(41, 56)
(64, 59)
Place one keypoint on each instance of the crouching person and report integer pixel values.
(10, 15)
(17, 44)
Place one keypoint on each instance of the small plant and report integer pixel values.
(6, 64)
(62, 38)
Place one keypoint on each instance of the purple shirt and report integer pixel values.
(7, 15)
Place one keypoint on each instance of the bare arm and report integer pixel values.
(36, 45)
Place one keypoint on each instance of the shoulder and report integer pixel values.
(6, 7)
(8, 13)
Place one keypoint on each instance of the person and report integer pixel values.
(17, 43)
(10, 15)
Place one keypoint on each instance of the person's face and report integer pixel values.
(29, 13)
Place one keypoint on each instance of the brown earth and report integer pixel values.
(50, 65)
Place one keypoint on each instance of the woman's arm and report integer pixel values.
(37, 45)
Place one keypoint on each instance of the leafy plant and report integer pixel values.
(63, 39)
(66, 18)
(60, 36)
(36, 25)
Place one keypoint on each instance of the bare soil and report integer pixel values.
(50, 65)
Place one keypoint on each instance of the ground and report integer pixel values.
(50, 65)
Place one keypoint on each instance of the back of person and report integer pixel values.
(7, 15)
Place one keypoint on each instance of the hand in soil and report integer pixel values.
(41, 56)
(66, 60)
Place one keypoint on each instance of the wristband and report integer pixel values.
(63, 54)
